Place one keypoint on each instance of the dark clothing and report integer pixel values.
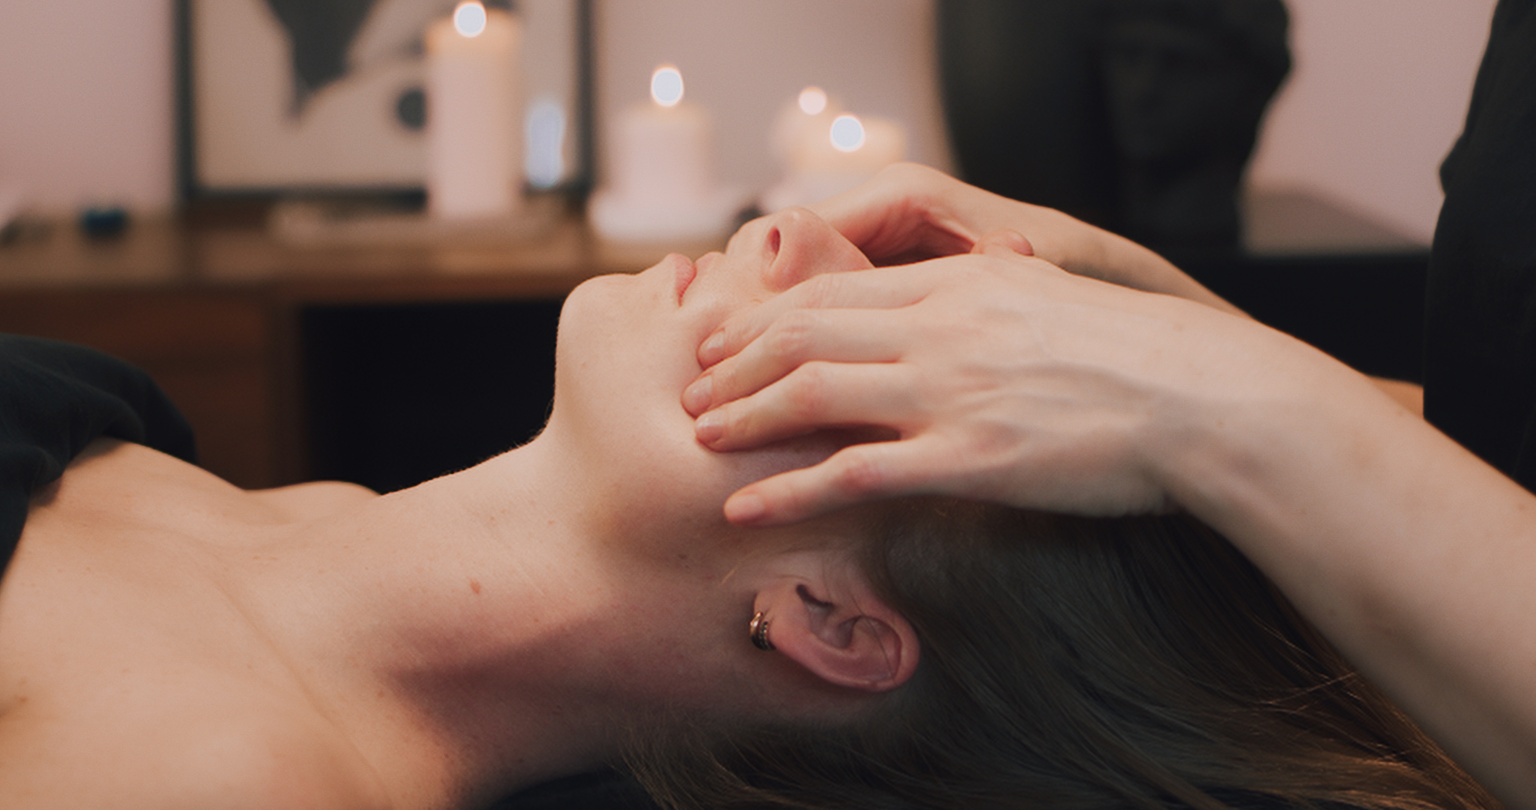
(1480, 329)
(55, 399)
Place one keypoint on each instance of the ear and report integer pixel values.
(826, 618)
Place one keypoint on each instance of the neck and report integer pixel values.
(462, 634)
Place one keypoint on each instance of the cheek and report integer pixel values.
(619, 328)
(667, 499)
(620, 371)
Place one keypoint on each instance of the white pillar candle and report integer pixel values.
(836, 155)
(802, 124)
(848, 144)
(474, 143)
(663, 151)
(661, 181)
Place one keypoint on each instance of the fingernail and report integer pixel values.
(745, 508)
(698, 395)
(713, 346)
(709, 428)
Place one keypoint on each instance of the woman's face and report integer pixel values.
(628, 346)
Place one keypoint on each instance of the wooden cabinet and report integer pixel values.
(235, 325)
(225, 359)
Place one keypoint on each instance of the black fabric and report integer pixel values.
(56, 398)
(1480, 329)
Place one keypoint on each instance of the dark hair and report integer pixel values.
(1076, 663)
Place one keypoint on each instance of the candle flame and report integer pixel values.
(469, 18)
(667, 86)
(813, 100)
(847, 133)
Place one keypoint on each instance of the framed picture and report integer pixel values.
(326, 96)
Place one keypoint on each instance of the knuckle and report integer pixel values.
(737, 332)
(821, 290)
(808, 394)
(724, 380)
(737, 424)
(740, 425)
(791, 337)
(859, 474)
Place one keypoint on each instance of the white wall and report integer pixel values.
(87, 105)
(744, 59)
(1377, 96)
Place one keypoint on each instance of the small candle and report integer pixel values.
(866, 147)
(474, 144)
(800, 124)
(661, 170)
(663, 151)
(826, 152)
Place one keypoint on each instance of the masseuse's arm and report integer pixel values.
(1001, 377)
(911, 212)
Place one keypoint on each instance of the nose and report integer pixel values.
(799, 244)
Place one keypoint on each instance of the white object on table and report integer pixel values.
(825, 151)
(800, 126)
(474, 114)
(662, 184)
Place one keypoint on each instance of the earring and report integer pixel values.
(758, 631)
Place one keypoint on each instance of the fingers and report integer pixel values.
(887, 288)
(815, 396)
(838, 318)
(856, 474)
(799, 336)
(901, 215)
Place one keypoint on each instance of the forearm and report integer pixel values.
(1409, 553)
(1114, 258)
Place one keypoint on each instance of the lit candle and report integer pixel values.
(865, 147)
(825, 151)
(474, 144)
(663, 151)
(661, 173)
(800, 125)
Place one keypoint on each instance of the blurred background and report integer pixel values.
(1377, 93)
(334, 347)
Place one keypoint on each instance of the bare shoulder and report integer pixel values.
(314, 500)
(209, 765)
(128, 676)
(129, 483)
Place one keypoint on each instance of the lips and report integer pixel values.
(685, 274)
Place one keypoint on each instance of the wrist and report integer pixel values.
(1243, 444)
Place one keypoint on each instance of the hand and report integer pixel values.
(997, 375)
(909, 213)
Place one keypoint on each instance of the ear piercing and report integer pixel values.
(757, 630)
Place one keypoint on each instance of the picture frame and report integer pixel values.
(314, 98)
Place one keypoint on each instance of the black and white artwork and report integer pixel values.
(327, 94)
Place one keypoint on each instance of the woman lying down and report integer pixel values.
(168, 640)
